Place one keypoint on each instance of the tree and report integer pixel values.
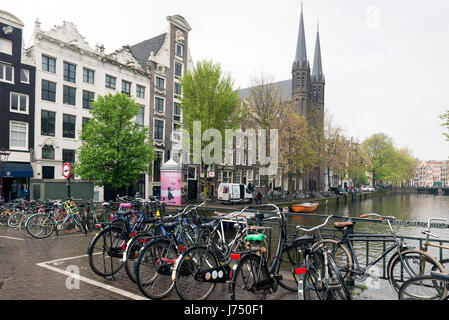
(380, 152)
(115, 149)
(445, 124)
(210, 98)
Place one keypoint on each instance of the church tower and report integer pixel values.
(318, 79)
(301, 73)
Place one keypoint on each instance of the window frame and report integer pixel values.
(177, 44)
(27, 71)
(108, 76)
(70, 116)
(45, 134)
(27, 106)
(26, 124)
(89, 106)
(140, 93)
(48, 64)
(42, 152)
(64, 95)
(68, 77)
(130, 87)
(163, 129)
(53, 172)
(86, 75)
(5, 65)
(48, 90)
(156, 82)
(156, 98)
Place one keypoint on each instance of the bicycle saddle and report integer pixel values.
(342, 225)
(209, 225)
(170, 226)
(126, 205)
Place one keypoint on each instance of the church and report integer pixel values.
(305, 92)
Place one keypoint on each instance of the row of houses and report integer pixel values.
(431, 174)
(46, 91)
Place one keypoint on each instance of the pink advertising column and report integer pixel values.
(171, 183)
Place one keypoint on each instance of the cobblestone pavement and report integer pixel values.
(33, 269)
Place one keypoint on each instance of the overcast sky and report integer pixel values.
(386, 62)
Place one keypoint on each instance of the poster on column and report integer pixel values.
(171, 188)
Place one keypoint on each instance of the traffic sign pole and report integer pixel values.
(66, 171)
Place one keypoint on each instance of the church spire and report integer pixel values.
(301, 52)
(317, 72)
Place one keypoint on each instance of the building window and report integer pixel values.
(158, 129)
(68, 126)
(48, 91)
(157, 166)
(178, 89)
(6, 73)
(141, 116)
(88, 97)
(69, 96)
(85, 121)
(69, 72)
(126, 87)
(18, 135)
(48, 173)
(48, 64)
(19, 102)
(179, 49)
(68, 156)
(159, 104)
(48, 123)
(140, 91)
(6, 46)
(25, 76)
(178, 70)
(88, 76)
(177, 112)
(110, 82)
(48, 153)
(160, 83)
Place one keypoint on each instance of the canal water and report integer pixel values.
(404, 206)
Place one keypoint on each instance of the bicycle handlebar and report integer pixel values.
(379, 216)
(314, 228)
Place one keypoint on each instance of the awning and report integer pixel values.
(17, 170)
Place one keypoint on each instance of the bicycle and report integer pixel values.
(200, 268)
(427, 242)
(319, 276)
(426, 287)
(261, 278)
(415, 262)
(155, 261)
(42, 225)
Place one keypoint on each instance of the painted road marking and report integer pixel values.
(12, 238)
(87, 280)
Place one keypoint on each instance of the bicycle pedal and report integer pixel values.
(278, 277)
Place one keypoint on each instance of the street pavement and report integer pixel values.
(33, 269)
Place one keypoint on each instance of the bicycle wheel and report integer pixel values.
(424, 288)
(417, 261)
(249, 272)
(40, 226)
(132, 253)
(106, 251)
(340, 254)
(189, 284)
(154, 268)
(312, 288)
(290, 259)
(337, 285)
(14, 220)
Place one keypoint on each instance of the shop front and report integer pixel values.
(16, 180)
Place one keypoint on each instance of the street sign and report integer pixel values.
(66, 170)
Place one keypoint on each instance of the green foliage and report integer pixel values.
(209, 97)
(445, 124)
(115, 150)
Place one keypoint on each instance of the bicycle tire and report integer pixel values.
(413, 257)
(341, 254)
(194, 260)
(14, 220)
(132, 251)
(339, 289)
(157, 257)
(241, 291)
(38, 225)
(289, 261)
(424, 283)
(112, 254)
(311, 285)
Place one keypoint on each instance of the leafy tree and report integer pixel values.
(210, 98)
(115, 149)
(380, 152)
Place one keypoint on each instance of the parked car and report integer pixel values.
(339, 191)
(234, 193)
(368, 189)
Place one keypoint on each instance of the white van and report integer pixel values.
(233, 192)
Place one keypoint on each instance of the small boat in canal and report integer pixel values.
(305, 207)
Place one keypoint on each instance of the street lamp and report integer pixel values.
(4, 155)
